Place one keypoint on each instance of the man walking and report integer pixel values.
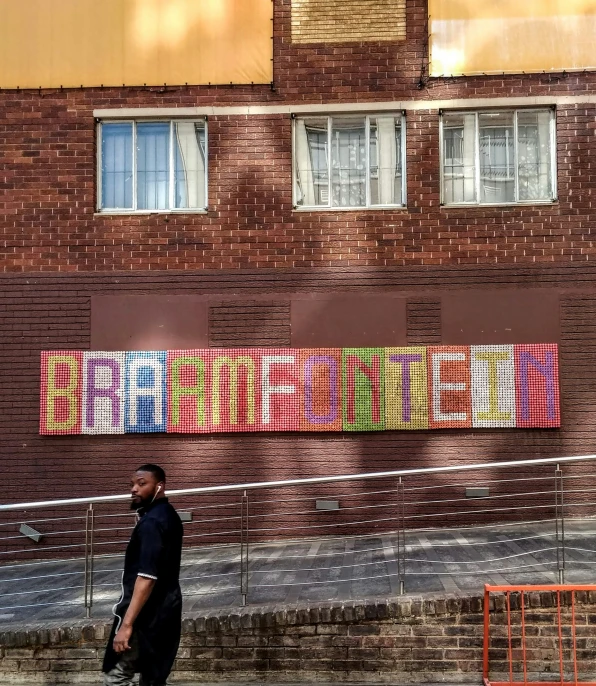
(148, 616)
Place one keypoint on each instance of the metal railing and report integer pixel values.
(439, 528)
(526, 645)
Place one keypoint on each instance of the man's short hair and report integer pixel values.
(157, 472)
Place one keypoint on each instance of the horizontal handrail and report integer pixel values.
(513, 588)
(300, 482)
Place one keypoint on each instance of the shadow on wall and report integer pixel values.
(91, 465)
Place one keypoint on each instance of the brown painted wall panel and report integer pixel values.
(148, 322)
(348, 321)
(500, 316)
(53, 311)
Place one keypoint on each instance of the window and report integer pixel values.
(349, 161)
(498, 157)
(152, 166)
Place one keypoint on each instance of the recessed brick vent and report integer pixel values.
(342, 21)
(424, 321)
(248, 324)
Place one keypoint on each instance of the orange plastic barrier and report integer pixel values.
(565, 636)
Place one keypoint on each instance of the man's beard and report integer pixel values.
(141, 504)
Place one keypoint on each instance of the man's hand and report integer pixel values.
(140, 595)
(122, 638)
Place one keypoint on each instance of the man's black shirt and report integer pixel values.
(153, 552)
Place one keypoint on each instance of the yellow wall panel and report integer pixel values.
(495, 36)
(51, 43)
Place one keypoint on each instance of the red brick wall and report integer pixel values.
(47, 200)
(408, 640)
(47, 140)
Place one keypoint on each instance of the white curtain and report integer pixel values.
(544, 145)
(192, 175)
(534, 156)
(459, 158)
(388, 162)
(305, 184)
(348, 162)
(469, 159)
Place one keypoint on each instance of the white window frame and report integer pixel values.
(134, 210)
(401, 115)
(516, 201)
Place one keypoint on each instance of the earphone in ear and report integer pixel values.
(158, 489)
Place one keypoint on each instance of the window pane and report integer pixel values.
(189, 177)
(385, 161)
(534, 155)
(459, 134)
(497, 171)
(348, 162)
(153, 155)
(116, 166)
(312, 175)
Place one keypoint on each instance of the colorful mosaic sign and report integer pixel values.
(323, 389)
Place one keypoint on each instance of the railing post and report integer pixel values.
(244, 547)
(88, 587)
(560, 523)
(485, 647)
(401, 536)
